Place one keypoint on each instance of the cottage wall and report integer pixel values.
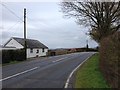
(35, 54)
(14, 43)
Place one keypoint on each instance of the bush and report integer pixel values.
(12, 55)
(109, 58)
(91, 50)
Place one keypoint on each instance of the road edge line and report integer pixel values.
(68, 79)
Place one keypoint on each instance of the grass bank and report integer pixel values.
(89, 75)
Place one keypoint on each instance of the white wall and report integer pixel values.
(14, 43)
(34, 54)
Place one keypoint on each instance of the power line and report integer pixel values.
(10, 11)
(14, 15)
(14, 25)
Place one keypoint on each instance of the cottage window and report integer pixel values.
(31, 50)
(43, 50)
(37, 51)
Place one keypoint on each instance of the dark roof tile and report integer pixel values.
(31, 43)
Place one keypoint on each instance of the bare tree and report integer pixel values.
(102, 17)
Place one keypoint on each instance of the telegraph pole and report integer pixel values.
(25, 45)
(87, 44)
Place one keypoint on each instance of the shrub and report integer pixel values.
(12, 55)
(110, 58)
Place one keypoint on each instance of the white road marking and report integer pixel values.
(18, 74)
(68, 79)
(60, 59)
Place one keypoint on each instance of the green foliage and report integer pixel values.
(89, 75)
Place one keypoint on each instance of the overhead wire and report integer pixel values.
(14, 25)
(14, 15)
(11, 11)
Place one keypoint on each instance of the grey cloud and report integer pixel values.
(4, 36)
(45, 23)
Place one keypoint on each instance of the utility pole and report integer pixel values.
(25, 45)
(87, 44)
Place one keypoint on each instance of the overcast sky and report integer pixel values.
(45, 23)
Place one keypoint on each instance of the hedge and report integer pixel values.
(110, 58)
(12, 55)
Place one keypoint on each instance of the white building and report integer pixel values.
(34, 47)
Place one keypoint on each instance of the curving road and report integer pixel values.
(48, 72)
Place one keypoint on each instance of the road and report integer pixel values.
(48, 72)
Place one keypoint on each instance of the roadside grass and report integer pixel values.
(89, 75)
(12, 62)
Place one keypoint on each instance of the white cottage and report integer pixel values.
(34, 47)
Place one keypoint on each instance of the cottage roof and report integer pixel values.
(31, 43)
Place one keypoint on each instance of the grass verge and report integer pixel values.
(89, 75)
(12, 62)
